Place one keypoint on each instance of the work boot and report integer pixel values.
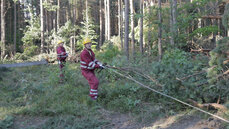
(93, 98)
(61, 81)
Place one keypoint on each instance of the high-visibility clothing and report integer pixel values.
(61, 57)
(88, 61)
(61, 53)
(88, 64)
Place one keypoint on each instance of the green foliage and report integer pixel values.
(31, 37)
(36, 91)
(67, 31)
(116, 41)
(49, 6)
(188, 17)
(64, 33)
(120, 97)
(6, 123)
(225, 19)
(88, 28)
(178, 64)
(218, 81)
(205, 31)
(3, 73)
(108, 52)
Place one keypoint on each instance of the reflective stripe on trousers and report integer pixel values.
(92, 80)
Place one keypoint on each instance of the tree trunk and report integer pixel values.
(127, 28)
(108, 21)
(132, 26)
(141, 27)
(87, 31)
(69, 12)
(74, 13)
(171, 23)
(101, 24)
(46, 17)
(105, 18)
(15, 26)
(119, 17)
(159, 31)
(3, 33)
(149, 28)
(173, 20)
(58, 15)
(121, 26)
(42, 26)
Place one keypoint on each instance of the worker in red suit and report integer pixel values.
(88, 64)
(61, 57)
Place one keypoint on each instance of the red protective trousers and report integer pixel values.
(93, 82)
(88, 64)
(61, 57)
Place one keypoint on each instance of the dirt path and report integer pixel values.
(180, 121)
(126, 121)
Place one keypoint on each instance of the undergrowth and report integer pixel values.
(36, 91)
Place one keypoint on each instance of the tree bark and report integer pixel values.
(101, 24)
(69, 12)
(105, 19)
(214, 105)
(119, 18)
(87, 31)
(149, 28)
(42, 26)
(108, 21)
(132, 26)
(173, 21)
(175, 17)
(159, 31)
(141, 27)
(121, 26)
(127, 28)
(3, 31)
(58, 15)
(15, 26)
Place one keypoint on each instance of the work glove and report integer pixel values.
(99, 63)
(102, 67)
(104, 64)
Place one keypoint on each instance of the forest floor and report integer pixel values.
(125, 121)
(25, 96)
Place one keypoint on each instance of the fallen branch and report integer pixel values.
(212, 16)
(226, 72)
(226, 61)
(207, 105)
(137, 72)
(184, 78)
(201, 50)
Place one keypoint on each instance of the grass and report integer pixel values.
(35, 91)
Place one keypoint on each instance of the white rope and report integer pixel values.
(170, 96)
